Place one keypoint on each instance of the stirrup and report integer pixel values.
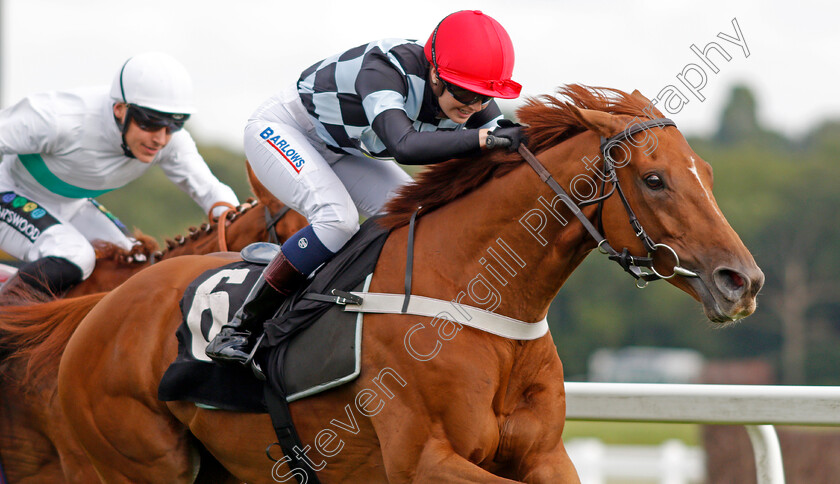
(226, 341)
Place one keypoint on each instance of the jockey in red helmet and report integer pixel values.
(317, 145)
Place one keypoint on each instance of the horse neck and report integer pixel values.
(491, 256)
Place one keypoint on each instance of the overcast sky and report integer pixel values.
(241, 52)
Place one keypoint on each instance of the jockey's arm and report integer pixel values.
(27, 127)
(186, 168)
(412, 147)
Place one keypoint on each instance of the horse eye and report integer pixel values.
(654, 182)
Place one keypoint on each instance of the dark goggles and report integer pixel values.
(465, 96)
(151, 120)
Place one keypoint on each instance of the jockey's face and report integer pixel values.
(145, 145)
(453, 109)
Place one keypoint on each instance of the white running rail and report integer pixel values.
(758, 407)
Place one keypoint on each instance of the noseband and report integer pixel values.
(641, 268)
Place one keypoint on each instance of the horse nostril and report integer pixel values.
(736, 279)
(731, 283)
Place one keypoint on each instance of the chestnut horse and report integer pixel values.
(33, 442)
(432, 404)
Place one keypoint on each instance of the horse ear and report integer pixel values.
(605, 124)
(639, 96)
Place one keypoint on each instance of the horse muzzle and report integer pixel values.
(728, 293)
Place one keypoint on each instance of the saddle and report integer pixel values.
(309, 345)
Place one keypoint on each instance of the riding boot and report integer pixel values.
(41, 280)
(278, 280)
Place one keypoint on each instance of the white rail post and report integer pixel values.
(768, 454)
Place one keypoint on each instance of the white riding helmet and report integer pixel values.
(154, 81)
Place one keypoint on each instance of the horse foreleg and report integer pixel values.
(440, 463)
(551, 467)
(531, 445)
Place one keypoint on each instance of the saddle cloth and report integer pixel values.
(310, 346)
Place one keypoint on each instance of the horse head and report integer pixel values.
(669, 188)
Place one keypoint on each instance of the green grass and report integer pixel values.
(633, 433)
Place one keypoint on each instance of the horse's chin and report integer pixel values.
(712, 306)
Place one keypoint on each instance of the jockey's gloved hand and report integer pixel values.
(512, 131)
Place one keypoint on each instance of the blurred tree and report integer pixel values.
(739, 120)
(803, 286)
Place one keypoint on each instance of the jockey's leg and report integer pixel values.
(50, 275)
(95, 222)
(371, 183)
(278, 280)
(292, 169)
(56, 255)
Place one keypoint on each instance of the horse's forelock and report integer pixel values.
(109, 251)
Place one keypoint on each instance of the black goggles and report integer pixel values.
(465, 96)
(151, 120)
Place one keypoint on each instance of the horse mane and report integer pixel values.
(140, 252)
(549, 121)
(38, 334)
(148, 250)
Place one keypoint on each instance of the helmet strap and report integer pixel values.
(123, 128)
(438, 110)
(127, 118)
(434, 96)
(434, 39)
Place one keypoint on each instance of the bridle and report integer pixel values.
(641, 268)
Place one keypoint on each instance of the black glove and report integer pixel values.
(511, 131)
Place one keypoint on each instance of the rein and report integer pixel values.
(641, 268)
(221, 219)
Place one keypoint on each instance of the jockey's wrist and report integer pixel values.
(482, 137)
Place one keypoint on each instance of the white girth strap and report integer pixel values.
(481, 319)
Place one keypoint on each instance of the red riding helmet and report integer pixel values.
(473, 51)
